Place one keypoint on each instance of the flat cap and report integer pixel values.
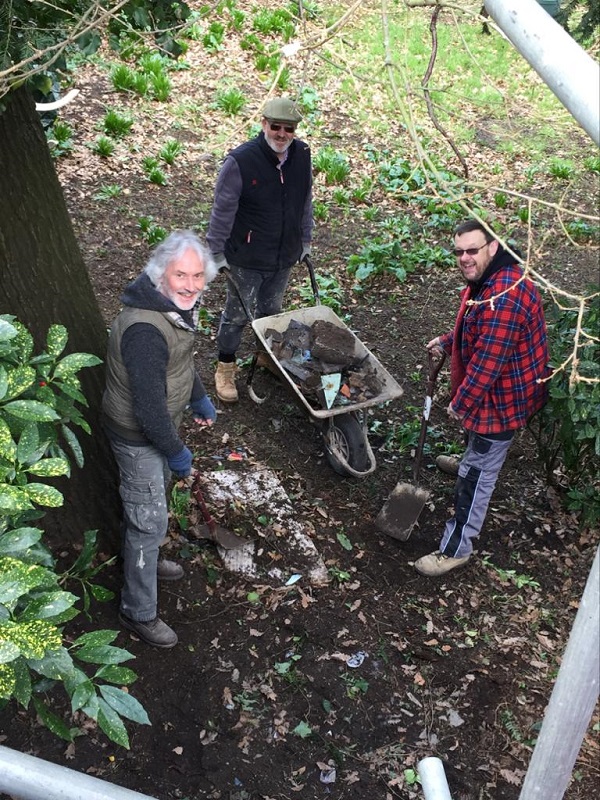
(283, 109)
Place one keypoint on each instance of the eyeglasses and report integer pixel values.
(470, 251)
(275, 126)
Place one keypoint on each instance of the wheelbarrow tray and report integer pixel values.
(390, 389)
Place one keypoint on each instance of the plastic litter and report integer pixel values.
(293, 579)
(356, 659)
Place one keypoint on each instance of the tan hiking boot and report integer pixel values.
(437, 563)
(447, 464)
(225, 382)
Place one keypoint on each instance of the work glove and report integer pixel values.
(220, 261)
(181, 464)
(204, 409)
(305, 251)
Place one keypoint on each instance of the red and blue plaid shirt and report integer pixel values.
(504, 352)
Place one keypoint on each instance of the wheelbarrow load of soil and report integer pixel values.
(333, 376)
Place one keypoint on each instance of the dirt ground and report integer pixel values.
(328, 688)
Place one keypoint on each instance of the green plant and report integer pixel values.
(117, 124)
(592, 163)
(59, 138)
(108, 191)
(231, 101)
(320, 210)
(501, 200)
(512, 576)
(39, 395)
(355, 685)
(157, 176)
(276, 21)
(122, 78)
(84, 572)
(330, 292)
(103, 146)
(333, 164)
(140, 84)
(169, 151)
(161, 86)
(179, 506)
(561, 168)
(213, 38)
(252, 42)
(151, 232)
(568, 427)
(339, 575)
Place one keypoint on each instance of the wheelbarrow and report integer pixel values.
(343, 427)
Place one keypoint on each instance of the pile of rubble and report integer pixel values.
(321, 359)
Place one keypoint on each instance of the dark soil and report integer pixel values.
(259, 700)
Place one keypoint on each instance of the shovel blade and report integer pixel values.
(219, 536)
(401, 511)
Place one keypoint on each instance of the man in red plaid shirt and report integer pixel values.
(498, 357)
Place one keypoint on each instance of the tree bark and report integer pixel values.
(44, 281)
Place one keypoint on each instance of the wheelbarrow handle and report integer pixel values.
(313, 279)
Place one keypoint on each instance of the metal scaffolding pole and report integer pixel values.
(31, 778)
(565, 67)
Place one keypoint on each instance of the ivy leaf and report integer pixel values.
(31, 410)
(125, 705)
(44, 495)
(112, 724)
(303, 730)
(56, 340)
(74, 362)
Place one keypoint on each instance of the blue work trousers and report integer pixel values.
(477, 475)
(262, 293)
(145, 476)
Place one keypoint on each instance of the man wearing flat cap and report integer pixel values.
(260, 225)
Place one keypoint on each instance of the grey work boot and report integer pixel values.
(168, 570)
(447, 464)
(154, 632)
(225, 382)
(437, 563)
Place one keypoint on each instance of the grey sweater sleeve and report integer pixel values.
(225, 205)
(146, 355)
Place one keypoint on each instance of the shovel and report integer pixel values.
(212, 530)
(401, 510)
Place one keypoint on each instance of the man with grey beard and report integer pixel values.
(260, 226)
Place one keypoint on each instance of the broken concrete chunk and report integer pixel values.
(332, 343)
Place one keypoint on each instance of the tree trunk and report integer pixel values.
(44, 280)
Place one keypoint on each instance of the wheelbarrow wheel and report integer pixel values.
(346, 435)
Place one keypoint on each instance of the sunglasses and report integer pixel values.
(275, 126)
(470, 251)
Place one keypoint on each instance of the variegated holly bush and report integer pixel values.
(39, 399)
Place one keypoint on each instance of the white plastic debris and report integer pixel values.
(357, 659)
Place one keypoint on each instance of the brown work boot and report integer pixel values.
(225, 382)
(168, 570)
(154, 632)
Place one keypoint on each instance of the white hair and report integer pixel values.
(172, 249)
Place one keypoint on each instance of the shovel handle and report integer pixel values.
(434, 368)
(210, 523)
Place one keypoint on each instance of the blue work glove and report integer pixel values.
(220, 261)
(204, 409)
(181, 464)
(305, 251)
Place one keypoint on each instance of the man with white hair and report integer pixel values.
(150, 380)
(260, 226)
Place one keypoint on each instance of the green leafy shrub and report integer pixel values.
(108, 191)
(272, 22)
(161, 86)
(213, 38)
(117, 124)
(330, 292)
(231, 101)
(561, 168)
(333, 164)
(170, 150)
(151, 231)
(59, 138)
(122, 78)
(568, 427)
(39, 395)
(103, 146)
